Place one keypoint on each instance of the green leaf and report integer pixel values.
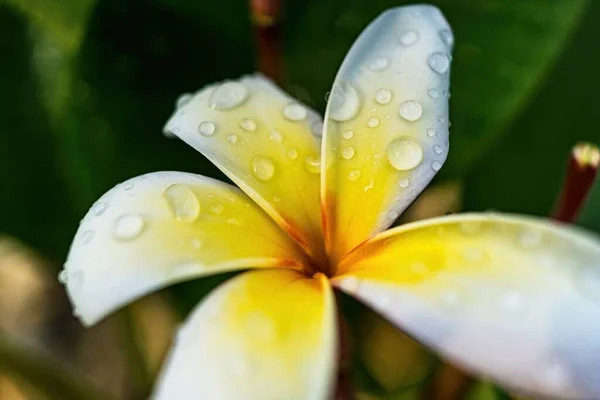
(525, 172)
(590, 215)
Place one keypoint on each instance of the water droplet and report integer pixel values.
(354, 175)
(128, 227)
(348, 134)
(393, 215)
(263, 168)
(207, 128)
(276, 199)
(293, 154)
(447, 37)
(408, 38)
(404, 153)
(348, 152)
(410, 110)
(530, 238)
(183, 100)
(350, 284)
(99, 208)
(436, 165)
(232, 138)
(344, 102)
(373, 122)
(248, 125)
(216, 208)
(236, 220)
(431, 132)
(437, 149)
(228, 96)
(439, 62)
(317, 128)
(87, 236)
(379, 64)
(295, 112)
(404, 183)
(276, 136)
(433, 93)
(63, 276)
(183, 202)
(313, 164)
(383, 96)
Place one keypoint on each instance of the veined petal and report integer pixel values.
(512, 298)
(262, 140)
(263, 335)
(386, 125)
(163, 228)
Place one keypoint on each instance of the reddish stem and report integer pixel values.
(582, 168)
(265, 16)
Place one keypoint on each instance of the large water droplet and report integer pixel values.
(379, 64)
(447, 37)
(344, 102)
(383, 96)
(128, 227)
(232, 138)
(354, 175)
(404, 153)
(439, 62)
(373, 122)
(248, 125)
(348, 134)
(410, 110)
(207, 128)
(183, 202)
(295, 112)
(408, 38)
(313, 164)
(263, 168)
(99, 208)
(229, 95)
(348, 152)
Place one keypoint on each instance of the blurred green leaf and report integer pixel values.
(524, 174)
(590, 215)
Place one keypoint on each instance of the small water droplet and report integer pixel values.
(404, 153)
(228, 96)
(207, 128)
(236, 220)
(393, 215)
(379, 64)
(317, 128)
(349, 134)
(99, 208)
(344, 102)
(293, 154)
(408, 38)
(87, 236)
(232, 138)
(216, 208)
(383, 96)
(404, 183)
(348, 152)
(183, 100)
(436, 165)
(437, 149)
(439, 62)
(295, 112)
(63, 276)
(447, 37)
(433, 93)
(276, 136)
(410, 110)
(373, 122)
(354, 175)
(128, 227)
(431, 132)
(263, 168)
(276, 199)
(248, 125)
(183, 202)
(313, 164)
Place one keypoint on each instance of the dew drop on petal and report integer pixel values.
(313, 164)
(263, 168)
(410, 110)
(404, 153)
(434, 94)
(276, 136)
(431, 132)
(403, 183)
(408, 38)
(295, 112)
(348, 152)
(379, 64)
(383, 96)
(216, 208)
(87, 236)
(228, 96)
(354, 175)
(349, 134)
(207, 128)
(373, 122)
(437, 149)
(63, 276)
(436, 165)
(293, 154)
(248, 125)
(344, 102)
(183, 202)
(232, 138)
(447, 37)
(99, 208)
(439, 62)
(128, 227)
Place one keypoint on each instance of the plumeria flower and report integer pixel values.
(510, 298)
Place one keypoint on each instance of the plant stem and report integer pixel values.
(265, 16)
